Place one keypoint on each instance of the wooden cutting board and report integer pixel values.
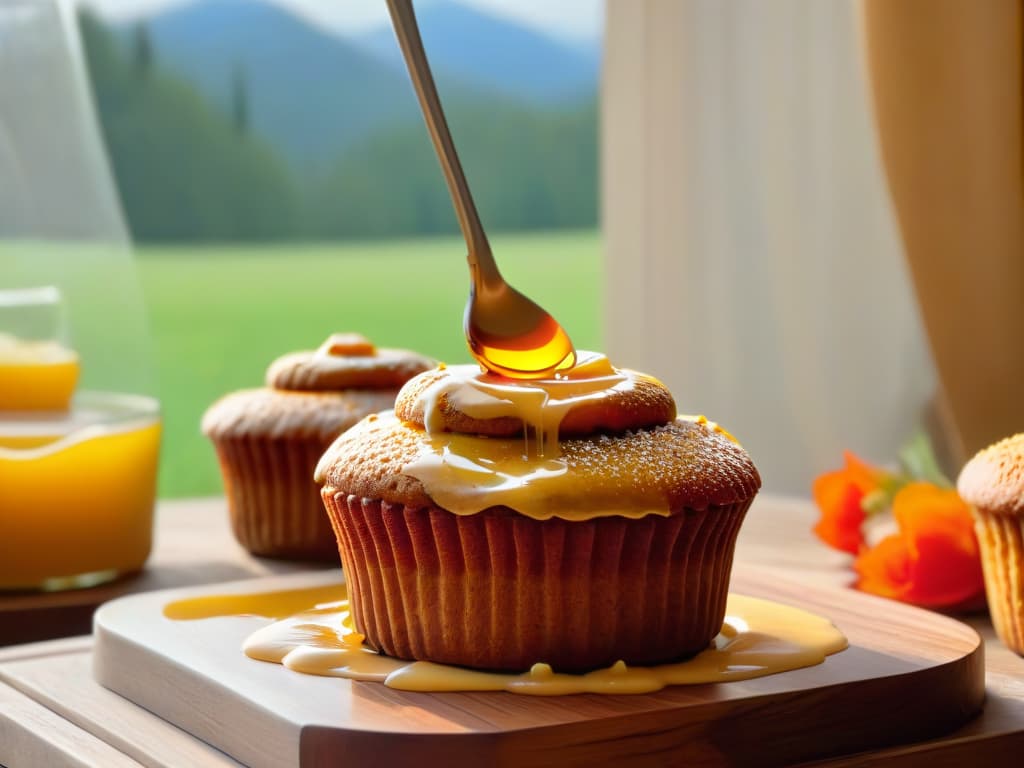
(909, 674)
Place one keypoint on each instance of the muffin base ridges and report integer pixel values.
(499, 590)
(274, 503)
(1001, 538)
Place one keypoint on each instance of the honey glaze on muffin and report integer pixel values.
(469, 441)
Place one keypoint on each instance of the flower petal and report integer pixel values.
(933, 560)
(885, 568)
(842, 512)
(865, 476)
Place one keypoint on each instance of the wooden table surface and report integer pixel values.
(86, 725)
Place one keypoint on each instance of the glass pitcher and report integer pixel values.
(79, 429)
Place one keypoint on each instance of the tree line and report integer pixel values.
(188, 171)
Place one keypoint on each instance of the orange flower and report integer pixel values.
(840, 498)
(933, 560)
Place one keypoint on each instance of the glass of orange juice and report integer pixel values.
(77, 470)
(38, 372)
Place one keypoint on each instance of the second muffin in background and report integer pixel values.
(268, 440)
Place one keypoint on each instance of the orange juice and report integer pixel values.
(77, 492)
(36, 375)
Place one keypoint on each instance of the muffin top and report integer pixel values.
(630, 401)
(994, 479)
(346, 361)
(317, 393)
(466, 441)
(275, 413)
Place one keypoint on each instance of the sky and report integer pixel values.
(571, 20)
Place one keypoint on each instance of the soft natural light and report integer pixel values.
(525, 382)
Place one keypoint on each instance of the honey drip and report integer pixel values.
(540, 405)
(314, 635)
(537, 475)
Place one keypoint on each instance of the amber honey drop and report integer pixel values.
(524, 342)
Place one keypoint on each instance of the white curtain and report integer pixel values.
(753, 261)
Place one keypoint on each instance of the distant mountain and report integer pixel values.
(496, 54)
(312, 94)
(308, 92)
(189, 171)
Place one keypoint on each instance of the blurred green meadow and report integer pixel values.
(218, 315)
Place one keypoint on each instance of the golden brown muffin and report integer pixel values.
(619, 546)
(993, 484)
(269, 440)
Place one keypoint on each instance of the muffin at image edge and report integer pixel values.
(993, 484)
(500, 589)
(268, 440)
